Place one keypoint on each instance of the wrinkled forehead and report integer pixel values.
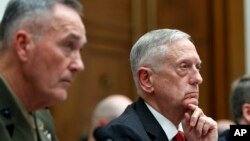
(183, 48)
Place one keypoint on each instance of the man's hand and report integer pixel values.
(199, 127)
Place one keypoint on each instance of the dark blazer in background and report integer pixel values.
(14, 125)
(137, 123)
(224, 136)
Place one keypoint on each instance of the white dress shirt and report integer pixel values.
(168, 127)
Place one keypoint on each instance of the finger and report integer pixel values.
(195, 116)
(209, 124)
(200, 125)
(192, 107)
(187, 121)
(187, 117)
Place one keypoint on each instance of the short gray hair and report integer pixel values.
(29, 13)
(150, 50)
(240, 94)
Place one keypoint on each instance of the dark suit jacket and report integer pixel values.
(136, 124)
(15, 126)
(224, 136)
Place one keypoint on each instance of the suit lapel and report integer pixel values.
(151, 125)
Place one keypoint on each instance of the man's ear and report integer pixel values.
(22, 42)
(144, 79)
(246, 112)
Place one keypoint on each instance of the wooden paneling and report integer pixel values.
(229, 53)
(220, 73)
(235, 36)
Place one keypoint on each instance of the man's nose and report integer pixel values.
(196, 77)
(77, 63)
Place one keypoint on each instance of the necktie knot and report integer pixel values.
(179, 136)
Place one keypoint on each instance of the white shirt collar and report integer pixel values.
(168, 127)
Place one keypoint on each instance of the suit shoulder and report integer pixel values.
(126, 127)
(128, 118)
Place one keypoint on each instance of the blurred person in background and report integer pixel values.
(106, 110)
(39, 57)
(223, 125)
(239, 104)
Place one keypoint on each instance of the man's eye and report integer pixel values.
(182, 69)
(198, 66)
(184, 66)
(70, 46)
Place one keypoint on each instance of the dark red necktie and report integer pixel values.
(179, 136)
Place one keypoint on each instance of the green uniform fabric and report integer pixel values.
(16, 124)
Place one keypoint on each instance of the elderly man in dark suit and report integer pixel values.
(166, 71)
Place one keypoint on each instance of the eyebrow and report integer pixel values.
(75, 37)
(188, 59)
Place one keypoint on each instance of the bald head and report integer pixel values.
(110, 108)
(224, 124)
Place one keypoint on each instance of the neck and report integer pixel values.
(11, 71)
(175, 119)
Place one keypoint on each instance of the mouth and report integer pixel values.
(191, 98)
(192, 95)
(66, 82)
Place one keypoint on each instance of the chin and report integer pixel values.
(195, 102)
(191, 101)
(60, 96)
